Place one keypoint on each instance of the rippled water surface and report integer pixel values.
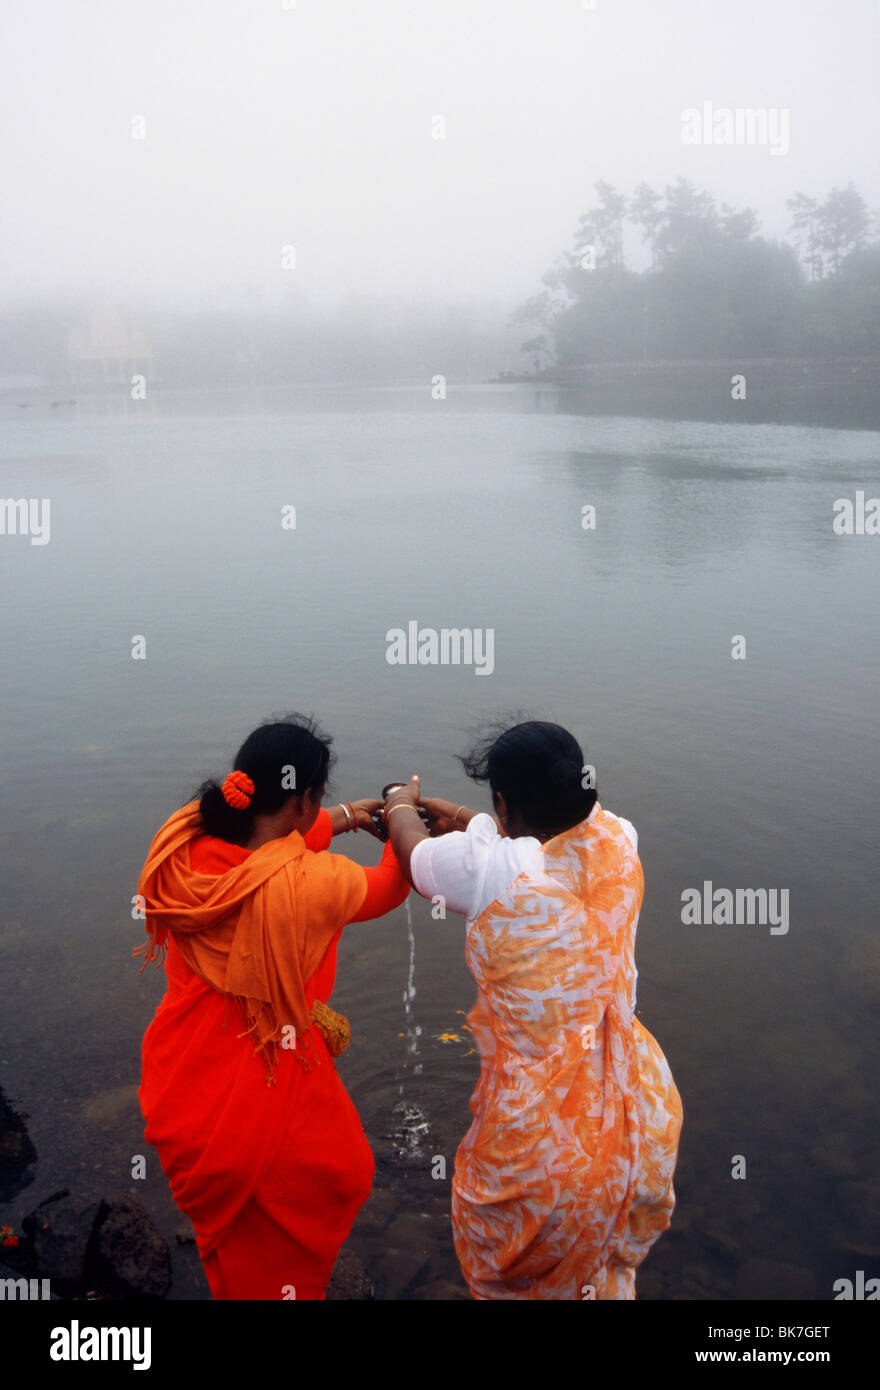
(166, 522)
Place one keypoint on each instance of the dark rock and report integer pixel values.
(350, 1279)
(17, 1154)
(131, 1258)
(55, 1196)
(185, 1234)
(61, 1231)
(20, 1258)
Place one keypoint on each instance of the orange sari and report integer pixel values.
(564, 1179)
(271, 1176)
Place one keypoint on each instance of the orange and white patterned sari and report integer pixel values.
(564, 1179)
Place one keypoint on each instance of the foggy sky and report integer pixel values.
(311, 126)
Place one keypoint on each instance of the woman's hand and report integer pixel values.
(405, 825)
(441, 814)
(363, 811)
(351, 815)
(407, 794)
(444, 816)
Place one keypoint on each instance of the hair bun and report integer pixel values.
(564, 774)
(237, 790)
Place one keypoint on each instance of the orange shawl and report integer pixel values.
(257, 932)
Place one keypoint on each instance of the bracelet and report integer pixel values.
(401, 806)
(455, 817)
(354, 819)
(347, 816)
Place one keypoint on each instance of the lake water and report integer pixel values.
(464, 513)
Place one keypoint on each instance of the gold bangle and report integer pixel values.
(347, 816)
(455, 817)
(400, 806)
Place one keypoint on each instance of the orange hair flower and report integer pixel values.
(238, 790)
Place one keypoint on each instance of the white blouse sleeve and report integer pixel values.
(469, 868)
(630, 832)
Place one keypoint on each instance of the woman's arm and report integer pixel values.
(405, 827)
(337, 819)
(386, 888)
(444, 816)
(321, 833)
(354, 815)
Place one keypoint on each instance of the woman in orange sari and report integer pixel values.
(564, 1179)
(255, 1132)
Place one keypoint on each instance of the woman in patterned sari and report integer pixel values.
(564, 1179)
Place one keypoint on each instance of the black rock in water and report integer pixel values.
(110, 1248)
(17, 1154)
(60, 1232)
(131, 1257)
(350, 1280)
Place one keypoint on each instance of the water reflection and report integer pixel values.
(749, 773)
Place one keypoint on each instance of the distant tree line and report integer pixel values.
(714, 286)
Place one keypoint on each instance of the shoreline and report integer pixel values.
(831, 392)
